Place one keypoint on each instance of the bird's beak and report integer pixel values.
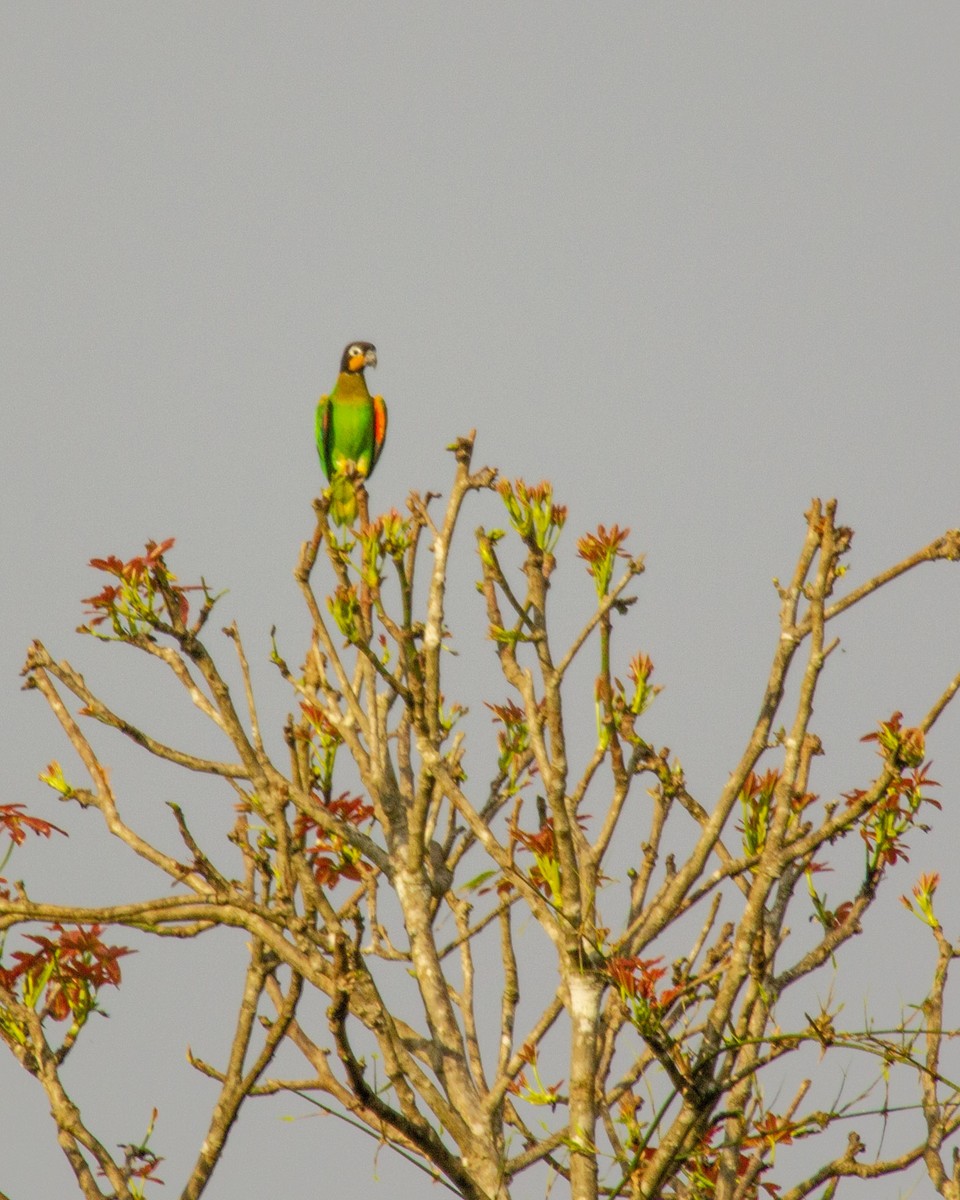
(370, 358)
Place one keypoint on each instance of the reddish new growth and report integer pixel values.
(637, 979)
(900, 746)
(600, 551)
(145, 583)
(594, 547)
(542, 843)
(320, 721)
(887, 821)
(332, 857)
(15, 822)
(534, 515)
(514, 760)
(509, 714)
(543, 846)
(72, 968)
(536, 1092)
(704, 1167)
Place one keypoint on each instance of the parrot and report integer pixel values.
(351, 426)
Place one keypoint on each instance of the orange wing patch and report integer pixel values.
(379, 428)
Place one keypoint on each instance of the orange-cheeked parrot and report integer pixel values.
(351, 428)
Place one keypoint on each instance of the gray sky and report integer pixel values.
(695, 263)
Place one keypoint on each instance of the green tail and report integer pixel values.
(343, 500)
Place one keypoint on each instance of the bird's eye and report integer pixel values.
(354, 350)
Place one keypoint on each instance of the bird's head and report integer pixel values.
(357, 356)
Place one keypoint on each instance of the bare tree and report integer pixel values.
(424, 872)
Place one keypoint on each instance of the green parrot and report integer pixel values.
(351, 428)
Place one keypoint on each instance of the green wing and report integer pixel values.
(324, 427)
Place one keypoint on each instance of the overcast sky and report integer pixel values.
(695, 263)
